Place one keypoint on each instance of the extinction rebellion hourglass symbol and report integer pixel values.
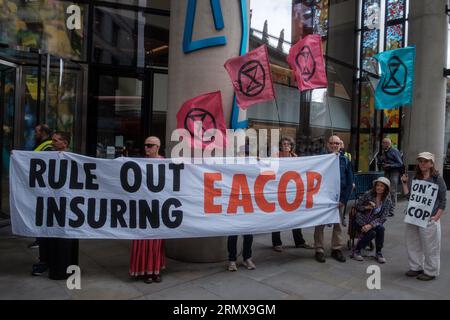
(202, 115)
(395, 81)
(306, 63)
(251, 78)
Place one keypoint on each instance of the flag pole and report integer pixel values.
(329, 114)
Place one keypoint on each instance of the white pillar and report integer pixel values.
(197, 72)
(425, 120)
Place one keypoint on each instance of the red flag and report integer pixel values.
(251, 78)
(206, 109)
(306, 60)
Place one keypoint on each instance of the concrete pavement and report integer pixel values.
(292, 274)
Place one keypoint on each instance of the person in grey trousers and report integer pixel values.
(390, 159)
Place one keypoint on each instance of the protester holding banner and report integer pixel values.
(43, 142)
(346, 185)
(372, 208)
(147, 256)
(427, 199)
(287, 147)
(390, 160)
(62, 253)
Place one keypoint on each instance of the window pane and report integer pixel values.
(130, 38)
(7, 98)
(45, 25)
(371, 14)
(64, 83)
(30, 75)
(119, 116)
(154, 4)
(155, 39)
(321, 18)
(370, 48)
(159, 105)
(114, 40)
(394, 37)
(391, 118)
(367, 106)
(365, 152)
(395, 9)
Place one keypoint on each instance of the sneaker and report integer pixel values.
(425, 277)
(34, 245)
(249, 264)
(337, 254)
(278, 248)
(232, 266)
(412, 273)
(379, 257)
(357, 256)
(320, 257)
(39, 268)
(344, 223)
(305, 245)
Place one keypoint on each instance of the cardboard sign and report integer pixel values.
(423, 195)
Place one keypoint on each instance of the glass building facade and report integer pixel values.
(98, 69)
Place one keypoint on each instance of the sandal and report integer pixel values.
(157, 278)
(148, 280)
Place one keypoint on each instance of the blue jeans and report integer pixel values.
(376, 233)
(247, 250)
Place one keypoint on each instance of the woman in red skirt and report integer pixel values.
(147, 256)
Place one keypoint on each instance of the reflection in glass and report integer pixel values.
(124, 37)
(45, 25)
(7, 98)
(64, 83)
(30, 103)
(119, 116)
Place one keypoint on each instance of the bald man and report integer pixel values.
(334, 143)
(390, 160)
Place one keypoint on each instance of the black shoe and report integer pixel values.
(390, 215)
(320, 257)
(39, 268)
(337, 254)
(425, 277)
(34, 245)
(412, 273)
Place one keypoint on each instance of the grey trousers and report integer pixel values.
(394, 177)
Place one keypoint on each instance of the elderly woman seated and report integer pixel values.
(372, 209)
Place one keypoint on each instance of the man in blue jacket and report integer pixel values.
(346, 188)
(390, 160)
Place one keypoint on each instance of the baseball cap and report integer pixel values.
(426, 156)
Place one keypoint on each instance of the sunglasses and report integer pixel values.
(150, 145)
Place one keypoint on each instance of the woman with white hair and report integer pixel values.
(372, 208)
(424, 243)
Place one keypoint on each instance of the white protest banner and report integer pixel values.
(423, 195)
(60, 194)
